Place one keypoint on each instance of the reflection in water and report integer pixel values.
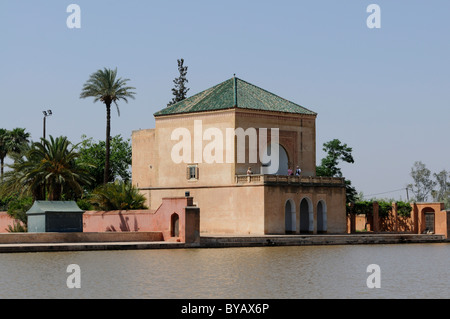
(407, 271)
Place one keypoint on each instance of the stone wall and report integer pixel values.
(415, 223)
(56, 238)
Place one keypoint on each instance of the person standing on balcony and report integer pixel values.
(298, 171)
(249, 171)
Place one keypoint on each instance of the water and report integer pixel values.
(407, 271)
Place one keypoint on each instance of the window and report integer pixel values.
(192, 172)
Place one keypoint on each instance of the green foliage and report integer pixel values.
(18, 207)
(180, 90)
(442, 192)
(5, 200)
(117, 196)
(361, 208)
(384, 208)
(337, 152)
(11, 143)
(106, 87)
(93, 154)
(350, 192)
(423, 184)
(85, 204)
(17, 228)
(48, 170)
(404, 209)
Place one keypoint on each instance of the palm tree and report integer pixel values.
(12, 142)
(3, 150)
(17, 139)
(104, 86)
(48, 168)
(119, 195)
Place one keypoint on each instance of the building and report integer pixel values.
(206, 144)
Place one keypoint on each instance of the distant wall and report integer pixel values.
(394, 223)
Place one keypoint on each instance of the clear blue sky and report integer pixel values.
(385, 92)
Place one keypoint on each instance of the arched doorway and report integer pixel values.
(321, 217)
(290, 217)
(175, 225)
(429, 217)
(270, 167)
(306, 216)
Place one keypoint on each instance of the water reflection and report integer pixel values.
(408, 271)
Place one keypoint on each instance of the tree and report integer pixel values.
(442, 193)
(180, 90)
(3, 150)
(11, 142)
(94, 154)
(423, 184)
(104, 86)
(48, 168)
(336, 153)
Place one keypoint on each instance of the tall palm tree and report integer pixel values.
(11, 142)
(3, 150)
(104, 86)
(48, 168)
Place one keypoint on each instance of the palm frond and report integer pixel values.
(104, 86)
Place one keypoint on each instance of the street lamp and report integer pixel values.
(46, 114)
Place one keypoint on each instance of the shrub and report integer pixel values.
(404, 209)
(17, 228)
(18, 207)
(384, 208)
(117, 196)
(363, 207)
(85, 204)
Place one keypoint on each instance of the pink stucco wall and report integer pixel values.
(148, 220)
(159, 220)
(5, 221)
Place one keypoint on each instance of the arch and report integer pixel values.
(175, 225)
(428, 210)
(272, 168)
(290, 218)
(306, 216)
(322, 225)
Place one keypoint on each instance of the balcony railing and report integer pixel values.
(284, 179)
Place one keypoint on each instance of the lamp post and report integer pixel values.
(46, 114)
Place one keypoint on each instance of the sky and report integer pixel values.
(384, 91)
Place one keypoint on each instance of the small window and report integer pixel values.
(192, 172)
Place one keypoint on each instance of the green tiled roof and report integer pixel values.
(234, 93)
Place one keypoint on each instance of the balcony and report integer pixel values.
(289, 180)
